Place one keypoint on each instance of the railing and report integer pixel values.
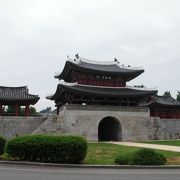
(101, 83)
(165, 115)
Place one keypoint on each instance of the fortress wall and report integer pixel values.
(84, 120)
(168, 128)
(136, 124)
(11, 126)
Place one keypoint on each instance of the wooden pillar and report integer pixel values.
(156, 113)
(58, 110)
(17, 110)
(27, 110)
(0, 109)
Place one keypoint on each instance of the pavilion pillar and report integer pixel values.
(0, 109)
(16, 110)
(57, 110)
(27, 110)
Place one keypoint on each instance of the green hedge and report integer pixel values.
(48, 148)
(124, 159)
(141, 157)
(2, 145)
(148, 157)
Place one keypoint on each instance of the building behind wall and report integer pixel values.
(93, 86)
(15, 112)
(15, 98)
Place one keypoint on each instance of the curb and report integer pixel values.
(89, 166)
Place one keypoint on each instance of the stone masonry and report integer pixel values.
(11, 126)
(136, 123)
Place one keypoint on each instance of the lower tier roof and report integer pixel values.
(99, 91)
(161, 101)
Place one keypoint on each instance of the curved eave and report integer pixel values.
(35, 100)
(56, 94)
(69, 66)
(100, 91)
(65, 72)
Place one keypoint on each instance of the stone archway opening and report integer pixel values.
(109, 129)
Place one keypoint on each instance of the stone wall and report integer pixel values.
(168, 128)
(136, 123)
(84, 120)
(11, 126)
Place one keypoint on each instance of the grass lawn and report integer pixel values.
(102, 153)
(171, 143)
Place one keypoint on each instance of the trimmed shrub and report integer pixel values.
(2, 145)
(124, 159)
(48, 148)
(148, 157)
(141, 157)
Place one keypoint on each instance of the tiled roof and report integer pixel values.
(162, 101)
(101, 91)
(17, 94)
(98, 67)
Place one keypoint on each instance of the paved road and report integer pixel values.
(152, 146)
(14, 172)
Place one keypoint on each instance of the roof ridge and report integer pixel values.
(115, 62)
(13, 87)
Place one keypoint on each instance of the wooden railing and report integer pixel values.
(107, 83)
(165, 115)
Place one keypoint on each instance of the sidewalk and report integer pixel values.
(25, 163)
(152, 146)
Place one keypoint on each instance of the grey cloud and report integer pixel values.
(37, 35)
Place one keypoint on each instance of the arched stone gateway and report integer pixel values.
(109, 129)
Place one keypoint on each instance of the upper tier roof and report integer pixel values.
(99, 67)
(162, 101)
(127, 91)
(17, 94)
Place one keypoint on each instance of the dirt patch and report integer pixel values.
(174, 160)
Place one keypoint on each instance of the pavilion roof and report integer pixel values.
(101, 67)
(17, 94)
(100, 91)
(162, 101)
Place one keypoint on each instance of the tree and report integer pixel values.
(32, 110)
(47, 110)
(167, 93)
(10, 110)
(178, 96)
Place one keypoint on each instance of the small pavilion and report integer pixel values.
(16, 97)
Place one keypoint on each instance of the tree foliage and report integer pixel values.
(2, 144)
(10, 110)
(167, 93)
(47, 110)
(178, 96)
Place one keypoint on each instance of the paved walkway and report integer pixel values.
(152, 146)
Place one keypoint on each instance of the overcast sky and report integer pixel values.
(37, 35)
